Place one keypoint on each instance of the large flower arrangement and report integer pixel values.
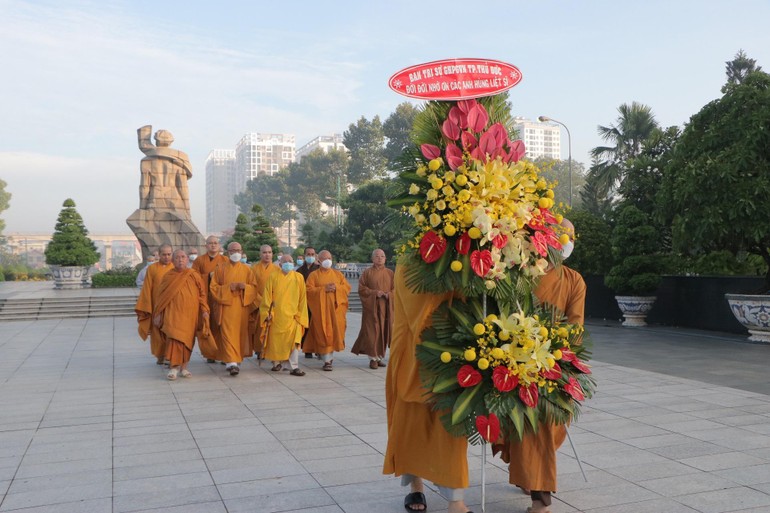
(484, 228)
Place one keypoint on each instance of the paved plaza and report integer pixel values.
(88, 423)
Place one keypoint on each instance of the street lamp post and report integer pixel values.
(543, 119)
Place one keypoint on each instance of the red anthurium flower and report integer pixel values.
(541, 243)
(432, 246)
(568, 356)
(454, 156)
(517, 150)
(478, 154)
(469, 141)
(582, 367)
(554, 373)
(458, 117)
(488, 428)
(550, 237)
(467, 376)
(574, 389)
(541, 218)
(450, 130)
(477, 118)
(529, 395)
(463, 244)
(430, 151)
(498, 132)
(481, 262)
(465, 105)
(499, 152)
(487, 143)
(500, 241)
(503, 380)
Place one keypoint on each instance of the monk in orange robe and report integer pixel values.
(262, 271)
(283, 314)
(375, 288)
(418, 445)
(532, 461)
(148, 297)
(327, 300)
(181, 307)
(210, 346)
(233, 288)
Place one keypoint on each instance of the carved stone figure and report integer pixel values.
(164, 200)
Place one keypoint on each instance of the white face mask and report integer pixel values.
(326, 264)
(566, 249)
(235, 257)
(193, 256)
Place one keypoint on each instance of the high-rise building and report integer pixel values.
(220, 191)
(324, 142)
(257, 154)
(540, 139)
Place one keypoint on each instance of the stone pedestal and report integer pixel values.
(753, 311)
(635, 309)
(154, 227)
(68, 277)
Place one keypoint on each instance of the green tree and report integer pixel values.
(593, 251)
(262, 233)
(314, 180)
(364, 248)
(365, 142)
(739, 68)
(717, 187)
(635, 123)
(397, 129)
(272, 193)
(243, 235)
(367, 209)
(635, 245)
(5, 202)
(558, 171)
(70, 245)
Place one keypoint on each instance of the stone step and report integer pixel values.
(64, 307)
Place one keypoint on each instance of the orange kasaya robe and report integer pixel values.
(418, 444)
(261, 272)
(328, 311)
(209, 345)
(377, 318)
(235, 308)
(179, 311)
(148, 297)
(285, 298)
(532, 461)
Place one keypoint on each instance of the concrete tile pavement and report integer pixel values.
(88, 422)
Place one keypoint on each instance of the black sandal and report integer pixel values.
(277, 367)
(415, 499)
(297, 372)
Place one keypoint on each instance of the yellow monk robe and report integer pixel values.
(210, 346)
(532, 462)
(285, 297)
(328, 311)
(235, 308)
(377, 317)
(180, 307)
(148, 297)
(418, 444)
(261, 273)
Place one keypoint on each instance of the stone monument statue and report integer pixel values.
(163, 215)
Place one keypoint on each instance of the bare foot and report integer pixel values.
(457, 507)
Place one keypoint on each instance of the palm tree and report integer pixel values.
(738, 68)
(635, 123)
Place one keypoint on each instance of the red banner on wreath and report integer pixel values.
(455, 79)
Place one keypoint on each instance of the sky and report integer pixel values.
(79, 77)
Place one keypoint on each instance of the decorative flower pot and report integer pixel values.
(69, 277)
(635, 309)
(753, 311)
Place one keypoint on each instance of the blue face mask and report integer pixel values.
(310, 260)
(244, 260)
(287, 267)
(300, 261)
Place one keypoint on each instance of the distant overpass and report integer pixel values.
(35, 244)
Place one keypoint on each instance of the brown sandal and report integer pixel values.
(327, 366)
(297, 372)
(277, 367)
(373, 364)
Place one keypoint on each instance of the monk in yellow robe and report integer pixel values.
(148, 297)
(532, 461)
(262, 271)
(210, 345)
(181, 307)
(375, 288)
(327, 300)
(283, 315)
(234, 290)
(418, 445)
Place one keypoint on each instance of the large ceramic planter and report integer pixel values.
(69, 277)
(754, 313)
(635, 309)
